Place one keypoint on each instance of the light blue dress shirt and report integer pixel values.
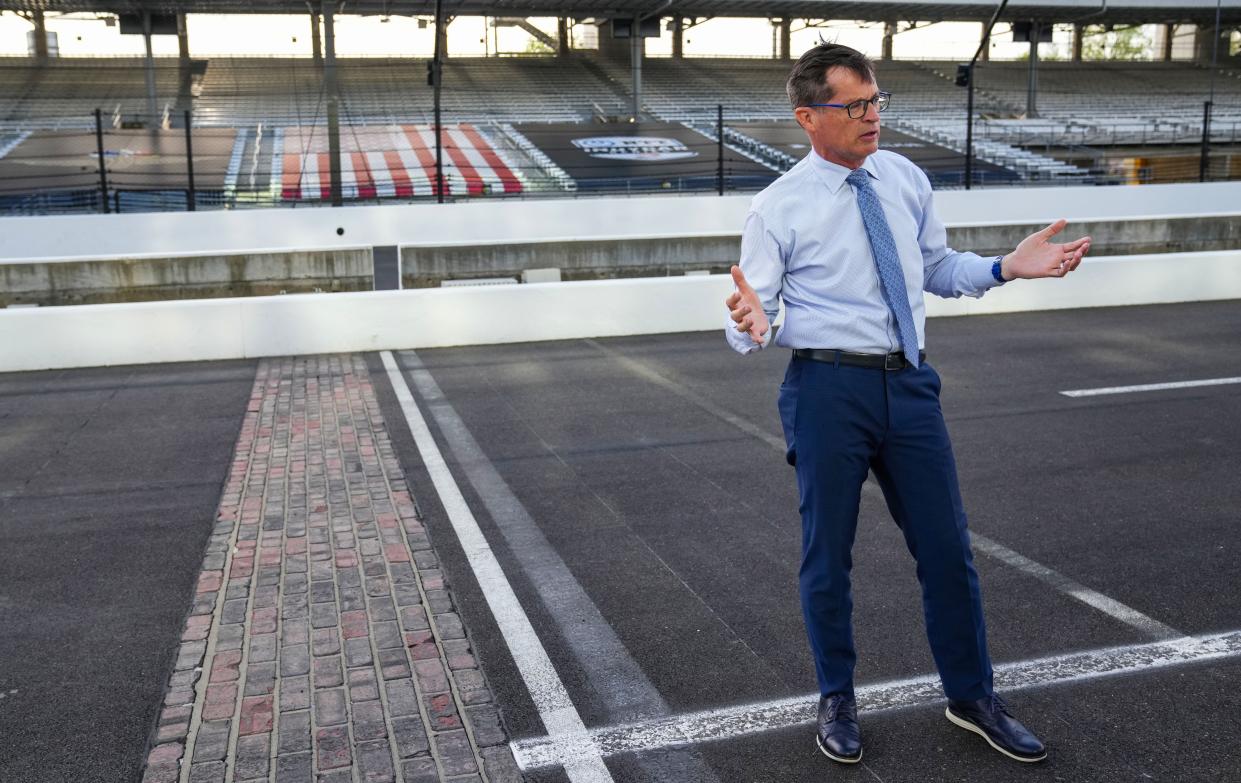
(804, 243)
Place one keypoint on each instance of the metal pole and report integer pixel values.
(183, 38)
(719, 132)
(969, 105)
(191, 197)
(40, 36)
(1032, 77)
(635, 66)
(152, 101)
(316, 40)
(333, 103)
(103, 170)
(437, 65)
(1206, 107)
(1205, 159)
(969, 131)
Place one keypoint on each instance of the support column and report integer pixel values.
(563, 42)
(1208, 47)
(441, 36)
(986, 50)
(1032, 85)
(637, 48)
(40, 35)
(1078, 31)
(889, 32)
(152, 101)
(786, 38)
(1169, 32)
(678, 37)
(316, 40)
(333, 102)
(437, 82)
(183, 38)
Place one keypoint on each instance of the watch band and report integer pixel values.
(997, 270)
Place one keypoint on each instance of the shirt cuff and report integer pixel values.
(742, 342)
(980, 274)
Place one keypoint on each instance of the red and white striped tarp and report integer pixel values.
(379, 161)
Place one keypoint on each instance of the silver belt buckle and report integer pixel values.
(893, 361)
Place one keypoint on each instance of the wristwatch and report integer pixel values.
(997, 270)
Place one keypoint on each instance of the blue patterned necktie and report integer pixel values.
(891, 278)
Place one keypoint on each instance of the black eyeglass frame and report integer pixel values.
(881, 101)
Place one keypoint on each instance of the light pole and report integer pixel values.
(965, 78)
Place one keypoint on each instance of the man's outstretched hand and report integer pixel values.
(746, 310)
(1036, 256)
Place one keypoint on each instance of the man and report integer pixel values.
(848, 239)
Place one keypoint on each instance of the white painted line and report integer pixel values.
(615, 677)
(567, 735)
(712, 725)
(1149, 387)
(1108, 606)
(644, 371)
(1055, 579)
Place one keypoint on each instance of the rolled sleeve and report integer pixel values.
(762, 263)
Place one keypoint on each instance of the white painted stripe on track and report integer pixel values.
(642, 370)
(1108, 606)
(1145, 387)
(617, 680)
(567, 735)
(741, 720)
(1049, 576)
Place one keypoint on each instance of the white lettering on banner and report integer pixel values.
(644, 148)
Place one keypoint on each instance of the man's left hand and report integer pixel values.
(1036, 256)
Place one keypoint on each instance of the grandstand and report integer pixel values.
(535, 89)
(251, 95)
(65, 92)
(1088, 115)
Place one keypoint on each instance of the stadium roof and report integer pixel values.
(1087, 11)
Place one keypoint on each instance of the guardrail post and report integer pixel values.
(191, 198)
(103, 169)
(1204, 160)
(386, 267)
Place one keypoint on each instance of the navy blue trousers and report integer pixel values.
(841, 421)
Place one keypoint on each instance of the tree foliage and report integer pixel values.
(1120, 43)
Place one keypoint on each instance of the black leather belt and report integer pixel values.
(878, 361)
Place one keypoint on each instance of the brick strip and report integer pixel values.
(322, 643)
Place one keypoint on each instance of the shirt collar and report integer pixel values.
(833, 174)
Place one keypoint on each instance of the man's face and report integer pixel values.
(833, 134)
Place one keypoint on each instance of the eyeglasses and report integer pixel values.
(857, 109)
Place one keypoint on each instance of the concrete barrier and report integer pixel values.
(67, 238)
(92, 335)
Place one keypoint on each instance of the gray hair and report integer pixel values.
(807, 82)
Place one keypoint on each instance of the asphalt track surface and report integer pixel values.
(109, 481)
(647, 466)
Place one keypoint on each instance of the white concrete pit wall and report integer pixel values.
(502, 221)
(94, 335)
